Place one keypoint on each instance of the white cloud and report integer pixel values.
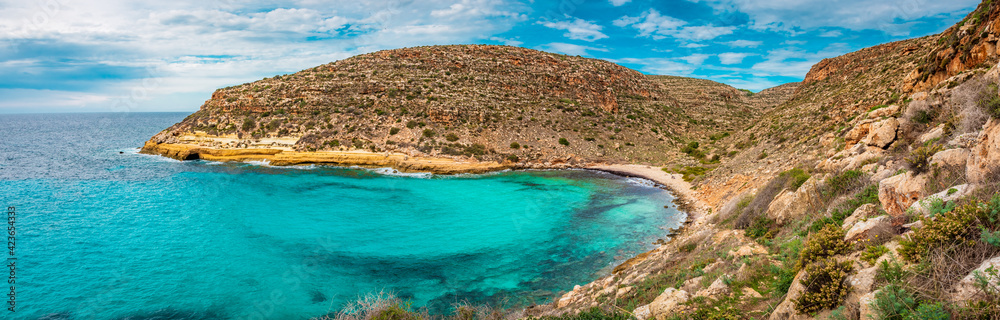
(732, 57)
(578, 29)
(831, 34)
(793, 15)
(569, 49)
(792, 62)
(509, 42)
(246, 40)
(743, 43)
(681, 66)
(693, 45)
(655, 25)
(619, 3)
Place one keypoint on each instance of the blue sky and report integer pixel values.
(117, 55)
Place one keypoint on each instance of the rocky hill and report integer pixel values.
(467, 103)
(873, 193)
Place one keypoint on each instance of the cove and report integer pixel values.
(105, 233)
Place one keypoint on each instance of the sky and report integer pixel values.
(139, 56)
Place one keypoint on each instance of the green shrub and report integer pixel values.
(930, 311)
(893, 302)
(762, 227)
(691, 172)
(513, 158)
(990, 101)
(515, 145)
(949, 227)
(249, 124)
(825, 286)
(939, 206)
(411, 124)
(451, 137)
(429, 133)
(796, 177)
(563, 141)
(919, 161)
(872, 253)
(828, 242)
(923, 117)
(393, 131)
(844, 182)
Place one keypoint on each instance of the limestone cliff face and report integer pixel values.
(470, 103)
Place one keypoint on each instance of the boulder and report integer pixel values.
(747, 250)
(641, 312)
(935, 133)
(663, 306)
(863, 212)
(751, 293)
(898, 192)
(985, 159)
(861, 284)
(884, 112)
(717, 288)
(951, 194)
(693, 284)
(786, 309)
(865, 308)
(879, 226)
(622, 292)
(789, 205)
(860, 131)
(967, 288)
(883, 133)
(952, 157)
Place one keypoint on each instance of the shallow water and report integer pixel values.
(106, 233)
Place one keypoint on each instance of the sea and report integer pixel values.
(103, 232)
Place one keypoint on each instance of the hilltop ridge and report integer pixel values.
(470, 103)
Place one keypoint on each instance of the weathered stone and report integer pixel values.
(952, 157)
(898, 192)
(786, 309)
(967, 289)
(642, 312)
(951, 194)
(747, 250)
(693, 284)
(884, 112)
(865, 305)
(789, 206)
(985, 160)
(860, 131)
(935, 133)
(751, 293)
(717, 288)
(883, 133)
(622, 292)
(863, 212)
(663, 305)
(866, 228)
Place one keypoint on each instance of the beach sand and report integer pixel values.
(687, 198)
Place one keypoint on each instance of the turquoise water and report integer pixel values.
(105, 233)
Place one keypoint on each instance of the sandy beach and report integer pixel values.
(687, 197)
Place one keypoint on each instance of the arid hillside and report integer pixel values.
(491, 103)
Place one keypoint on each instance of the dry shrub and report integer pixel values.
(758, 206)
(733, 208)
(965, 100)
(943, 267)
